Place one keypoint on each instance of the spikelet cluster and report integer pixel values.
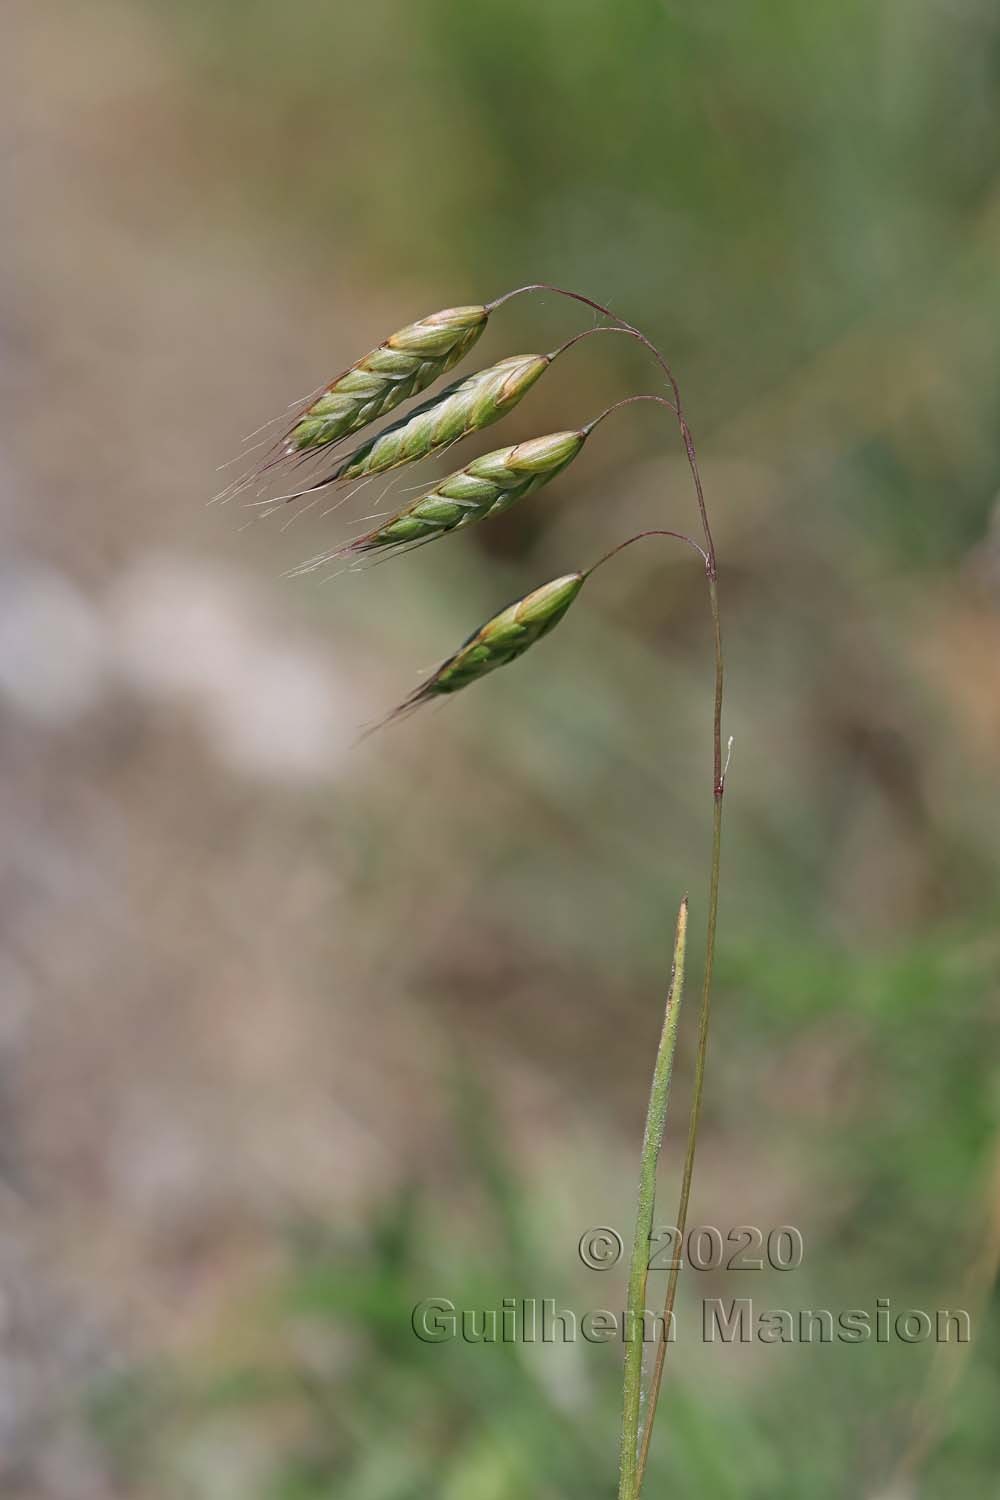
(403, 365)
(502, 639)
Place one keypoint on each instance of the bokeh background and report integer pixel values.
(295, 1031)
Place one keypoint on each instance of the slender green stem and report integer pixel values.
(652, 1139)
(703, 1020)
(718, 788)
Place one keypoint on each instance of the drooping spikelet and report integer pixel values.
(485, 487)
(405, 364)
(501, 640)
(463, 407)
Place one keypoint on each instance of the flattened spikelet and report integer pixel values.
(502, 639)
(485, 487)
(466, 406)
(403, 365)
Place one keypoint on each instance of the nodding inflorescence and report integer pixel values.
(402, 366)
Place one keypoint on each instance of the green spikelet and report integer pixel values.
(486, 487)
(501, 640)
(405, 364)
(464, 407)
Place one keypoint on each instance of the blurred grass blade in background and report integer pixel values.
(630, 1477)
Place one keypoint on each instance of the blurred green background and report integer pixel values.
(296, 1032)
